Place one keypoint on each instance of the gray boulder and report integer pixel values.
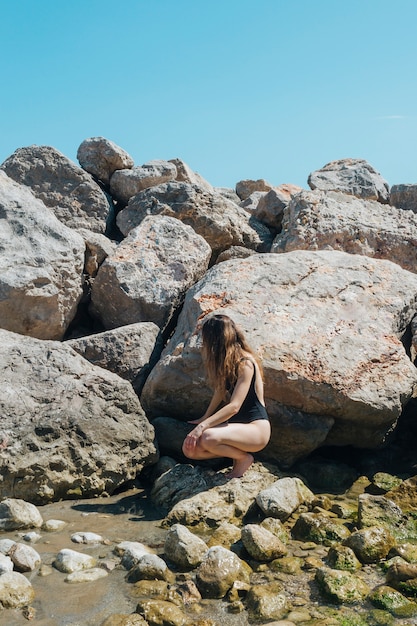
(71, 193)
(351, 176)
(317, 220)
(327, 326)
(404, 197)
(18, 514)
(218, 571)
(128, 182)
(244, 188)
(147, 277)
(101, 158)
(97, 248)
(270, 208)
(220, 221)
(41, 263)
(183, 547)
(186, 175)
(15, 591)
(69, 429)
(129, 351)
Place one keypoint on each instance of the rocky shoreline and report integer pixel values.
(265, 550)
(108, 269)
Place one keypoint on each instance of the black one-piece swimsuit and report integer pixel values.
(252, 409)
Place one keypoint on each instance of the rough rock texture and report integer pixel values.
(244, 188)
(101, 158)
(218, 571)
(352, 176)
(98, 248)
(147, 277)
(404, 197)
(15, 591)
(194, 495)
(270, 208)
(129, 351)
(71, 193)
(220, 221)
(68, 428)
(127, 183)
(371, 544)
(18, 514)
(186, 175)
(327, 326)
(41, 263)
(316, 220)
(184, 548)
(284, 497)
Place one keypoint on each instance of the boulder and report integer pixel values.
(25, 558)
(101, 158)
(147, 277)
(341, 587)
(184, 548)
(355, 177)
(319, 529)
(41, 263)
(252, 201)
(281, 499)
(404, 197)
(268, 601)
(210, 499)
(68, 428)
(128, 182)
(328, 327)
(160, 613)
(16, 514)
(15, 591)
(68, 561)
(219, 220)
(97, 248)
(86, 576)
(271, 206)
(316, 220)
(262, 544)
(71, 193)
(218, 571)
(371, 544)
(149, 567)
(378, 511)
(244, 188)
(186, 175)
(129, 351)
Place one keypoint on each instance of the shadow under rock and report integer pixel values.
(138, 505)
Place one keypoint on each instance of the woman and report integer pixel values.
(241, 425)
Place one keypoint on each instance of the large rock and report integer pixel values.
(270, 208)
(187, 175)
(69, 429)
(127, 183)
(220, 221)
(147, 277)
(101, 158)
(317, 220)
(129, 351)
(244, 188)
(327, 326)
(352, 176)
(18, 514)
(41, 263)
(71, 193)
(404, 197)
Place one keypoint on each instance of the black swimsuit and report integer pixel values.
(252, 409)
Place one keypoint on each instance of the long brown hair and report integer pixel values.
(224, 346)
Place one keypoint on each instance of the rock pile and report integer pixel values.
(111, 260)
(107, 271)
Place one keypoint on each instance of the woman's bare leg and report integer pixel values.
(234, 441)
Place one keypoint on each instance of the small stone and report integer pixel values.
(69, 561)
(53, 525)
(86, 576)
(87, 538)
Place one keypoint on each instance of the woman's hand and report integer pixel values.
(191, 440)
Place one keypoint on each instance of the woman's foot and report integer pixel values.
(240, 466)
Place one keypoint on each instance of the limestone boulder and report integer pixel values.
(183, 547)
(69, 429)
(270, 208)
(328, 327)
(69, 191)
(147, 277)
(284, 497)
(218, 571)
(220, 221)
(262, 544)
(129, 351)
(316, 220)
(371, 544)
(404, 197)
(97, 248)
(187, 175)
(41, 263)
(15, 591)
(101, 158)
(128, 182)
(18, 514)
(244, 188)
(252, 201)
(341, 587)
(355, 177)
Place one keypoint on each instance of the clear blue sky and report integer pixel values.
(238, 89)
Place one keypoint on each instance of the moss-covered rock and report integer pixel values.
(343, 558)
(267, 601)
(319, 529)
(371, 544)
(341, 587)
(391, 600)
